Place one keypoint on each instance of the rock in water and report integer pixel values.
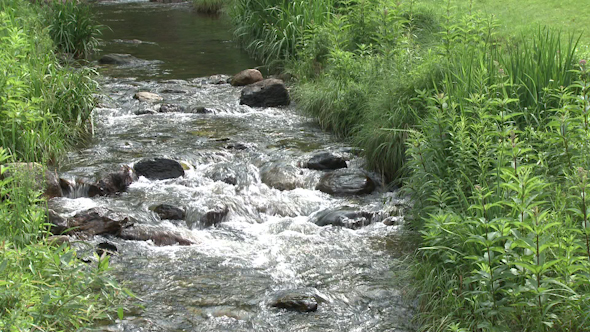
(147, 96)
(169, 108)
(159, 237)
(295, 300)
(246, 77)
(266, 93)
(346, 182)
(165, 211)
(342, 217)
(281, 176)
(118, 59)
(326, 160)
(159, 169)
(214, 217)
(97, 221)
(115, 182)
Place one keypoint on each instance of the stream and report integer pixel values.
(268, 242)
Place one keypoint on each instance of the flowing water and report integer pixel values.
(267, 243)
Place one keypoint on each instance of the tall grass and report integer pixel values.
(72, 27)
(209, 6)
(488, 134)
(271, 29)
(44, 107)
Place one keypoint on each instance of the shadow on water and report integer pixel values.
(177, 41)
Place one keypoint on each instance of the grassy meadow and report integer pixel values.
(45, 105)
(480, 111)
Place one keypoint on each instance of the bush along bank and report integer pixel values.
(487, 133)
(44, 109)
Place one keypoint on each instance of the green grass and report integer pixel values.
(44, 108)
(209, 6)
(518, 17)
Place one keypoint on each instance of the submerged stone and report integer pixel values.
(159, 169)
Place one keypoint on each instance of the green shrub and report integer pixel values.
(45, 286)
(72, 27)
(44, 106)
(209, 6)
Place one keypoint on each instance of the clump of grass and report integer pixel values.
(73, 28)
(44, 106)
(209, 6)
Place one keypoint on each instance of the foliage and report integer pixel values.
(72, 27)
(500, 179)
(271, 29)
(44, 106)
(42, 285)
(487, 132)
(209, 6)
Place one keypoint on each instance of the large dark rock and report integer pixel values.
(159, 169)
(326, 160)
(296, 300)
(266, 93)
(158, 236)
(114, 183)
(118, 59)
(344, 182)
(342, 217)
(214, 216)
(281, 176)
(97, 221)
(165, 211)
(34, 176)
(246, 77)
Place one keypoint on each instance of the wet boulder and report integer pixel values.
(346, 182)
(214, 216)
(270, 92)
(222, 172)
(325, 160)
(58, 223)
(200, 110)
(118, 59)
(113, 183)
(165, 211)
(296, 300)
(342, 217)
(159, 169)
(97, 221)
(34, 176)
(149, 97)
(171, 108)
(246, 77)
(281, 176)
(159, 236)
(218, 79)
(106, 248)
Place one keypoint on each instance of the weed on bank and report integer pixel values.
(487, 131)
